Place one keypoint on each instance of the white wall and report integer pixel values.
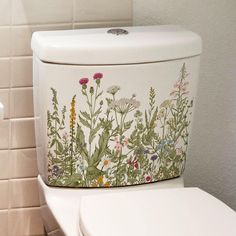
(212, 159)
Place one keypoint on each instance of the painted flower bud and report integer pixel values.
(91, 90)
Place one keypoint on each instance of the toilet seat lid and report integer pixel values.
(163, 212)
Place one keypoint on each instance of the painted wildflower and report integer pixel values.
(118, 146)
(154, 157)
(97, 76)
(72, 113)
(105, 162)
(179, 151)
(65, 136)
(113, 89)
(55, 170)
(148, 178)
(136, 165)
(124, 105)
(114, 141)
(165, 104)
(83, 81)
(107, 185)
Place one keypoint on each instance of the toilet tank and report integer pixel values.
(113, 107)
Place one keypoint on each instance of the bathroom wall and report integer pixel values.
(212, 160)
(19, 212)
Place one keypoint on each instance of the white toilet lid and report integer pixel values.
(163, 212)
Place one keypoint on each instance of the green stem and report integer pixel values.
(115, 112)
(91, 115)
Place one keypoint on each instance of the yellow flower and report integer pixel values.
(72, 113)
(105, 162)
(100, 179)
(106, 185)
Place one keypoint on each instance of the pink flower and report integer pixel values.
(179, 151)
(173, 93)
(83, 81)
(118, 146)
(148, 178)
(177, 84)
(98, 76)
(126, 141)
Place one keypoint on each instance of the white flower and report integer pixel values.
(113, 89)
(165, 104)
(124, 105)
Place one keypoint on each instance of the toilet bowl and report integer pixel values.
(113, 114)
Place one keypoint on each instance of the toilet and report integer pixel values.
(113, 115)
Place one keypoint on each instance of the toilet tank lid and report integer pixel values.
(127, 45)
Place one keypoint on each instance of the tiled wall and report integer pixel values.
(19, 213)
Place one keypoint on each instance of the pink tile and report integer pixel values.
(5, 42)
(4, 99)
(4, 222)
(23, 193)
(5, 12)
(21, 37)
(4, 194)
(4, 131)
(22, 133)
(23, 163)
(4, 164)
(21, 104)
(21, 72)
(5, 72)
(25, 222)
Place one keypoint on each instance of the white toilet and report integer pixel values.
(113, 111)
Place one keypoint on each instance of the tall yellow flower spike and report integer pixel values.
(72, 113)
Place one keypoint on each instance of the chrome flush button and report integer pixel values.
(117, 31)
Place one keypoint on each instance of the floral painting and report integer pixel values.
(115, 141)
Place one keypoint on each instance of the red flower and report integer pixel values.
(148, 178)
(98, 76)
(136, 165)
(83, 81)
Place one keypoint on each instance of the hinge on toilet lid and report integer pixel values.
(1, 111)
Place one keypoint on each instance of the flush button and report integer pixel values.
(117, 31)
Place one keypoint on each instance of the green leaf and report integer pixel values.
(93, 173)
(94, 132)
(101, 149)
(57, 120)
(60, 147)
(146, 119)
(154, 117)
(96, 113)
(84, 122)
(80, 143)
(85, 115)
(52, 143)
(127, 125)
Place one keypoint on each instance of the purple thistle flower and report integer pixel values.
(154, 157)
(55, 170)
